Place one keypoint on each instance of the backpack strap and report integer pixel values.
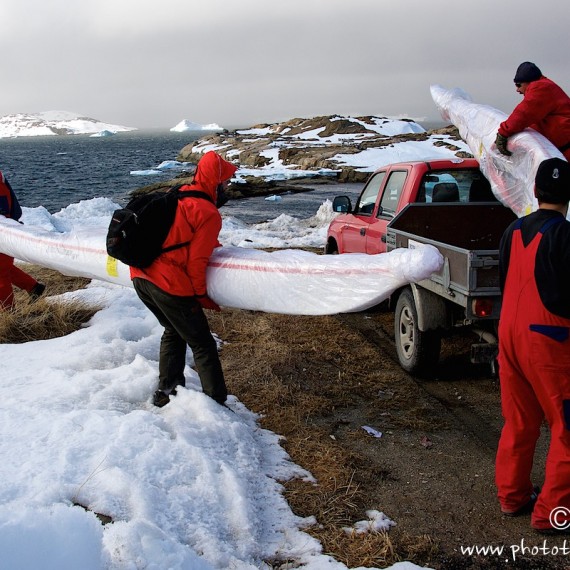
(186, 194)
(193, 194)
(175, 246)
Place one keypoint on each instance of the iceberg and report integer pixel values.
(186, 125)
(166, 166)
(149, 172)
(104, 133)
(175, 165)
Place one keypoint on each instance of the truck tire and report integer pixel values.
(418, 351)
(331, 248)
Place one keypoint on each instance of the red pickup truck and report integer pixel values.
(449, 205)
(362, 229)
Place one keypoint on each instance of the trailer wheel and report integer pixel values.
(418, 351)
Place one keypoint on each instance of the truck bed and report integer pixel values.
(468, 237)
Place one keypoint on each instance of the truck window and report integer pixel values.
(471, 184)
(367, 199)
(391, 196)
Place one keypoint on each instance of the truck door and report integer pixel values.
(354, 231)
(388, 207)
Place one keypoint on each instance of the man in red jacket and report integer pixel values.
(534, 354)
(545, 107)
(174, 288)
(10, 274)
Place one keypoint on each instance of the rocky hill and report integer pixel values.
(327, 145)
(290, 156)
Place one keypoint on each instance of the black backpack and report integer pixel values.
(137, 231)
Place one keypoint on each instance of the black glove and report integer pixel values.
(501, 144)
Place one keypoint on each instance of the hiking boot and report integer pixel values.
(527, 508)
(160, 399)
(37, 291)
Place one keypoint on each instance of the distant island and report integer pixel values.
(53, 123)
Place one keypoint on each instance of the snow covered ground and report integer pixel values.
(192, 485)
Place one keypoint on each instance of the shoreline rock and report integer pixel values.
(313, 144)
(306, 146)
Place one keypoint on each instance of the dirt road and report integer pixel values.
(318, 380)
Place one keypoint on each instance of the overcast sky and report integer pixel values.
(152, 63)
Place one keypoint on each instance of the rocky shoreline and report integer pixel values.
(325, 150)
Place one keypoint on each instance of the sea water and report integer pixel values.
(55, 171)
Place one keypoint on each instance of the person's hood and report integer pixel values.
(212, 170)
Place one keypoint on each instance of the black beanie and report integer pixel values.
(553, 181)
(527, 72)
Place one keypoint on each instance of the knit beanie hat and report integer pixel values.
(527, 72)
(553, 181)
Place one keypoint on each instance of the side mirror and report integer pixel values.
(342, 204)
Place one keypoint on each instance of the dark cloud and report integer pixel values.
(144, 64)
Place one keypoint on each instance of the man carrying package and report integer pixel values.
(545, 108)
(173, 287)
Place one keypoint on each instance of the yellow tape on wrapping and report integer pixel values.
(112, 269)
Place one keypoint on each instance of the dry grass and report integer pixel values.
(41, 319)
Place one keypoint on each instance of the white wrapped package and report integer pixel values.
(511, 177)
(287, 281)
(297, 282)
(79, 252)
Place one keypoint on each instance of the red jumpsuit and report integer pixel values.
(534, 360)
(9, 273)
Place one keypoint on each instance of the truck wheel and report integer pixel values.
(331, 248)
(418, 351)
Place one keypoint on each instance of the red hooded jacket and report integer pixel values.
(182, 271)
(545, 108)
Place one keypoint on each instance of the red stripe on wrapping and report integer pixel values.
(334, 271)
(44, 241)
(214, 264)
